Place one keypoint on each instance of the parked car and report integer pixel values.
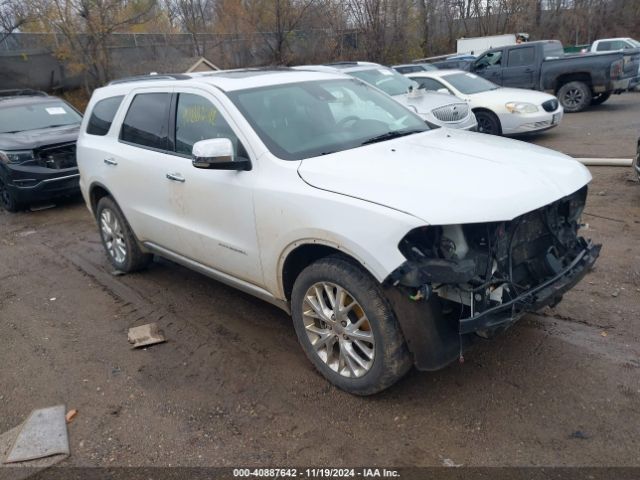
(499, 110)
(37, 148)
(577, 80)
(614, 44)
(438, 110)
(413, 67)
(390, 243)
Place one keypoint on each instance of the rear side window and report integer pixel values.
(147, 121)
(102, 115)
(521, 57)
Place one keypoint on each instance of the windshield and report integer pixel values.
(37, 115)
(633, 42)
(387, 80)
(308, 119)
(468, 83)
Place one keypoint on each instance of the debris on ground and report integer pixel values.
(447, 462)
(118, 273)
(70, 415)
(43, 434)
(579, 434)
(145, 335)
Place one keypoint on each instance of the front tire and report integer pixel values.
(118, 239)
(347, 328)
(488, 123)
(574, 96)
(7, 199)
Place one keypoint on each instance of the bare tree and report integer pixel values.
(13, 15)
(87, 27)
(194, 17)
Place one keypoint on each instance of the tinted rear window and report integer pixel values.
(102, 115)
(147, 121)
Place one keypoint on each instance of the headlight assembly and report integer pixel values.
(521, 107)
(16, 156)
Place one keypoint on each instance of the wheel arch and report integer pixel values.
(299, 255)
(490, 112)
(97, 191)
(584, 77)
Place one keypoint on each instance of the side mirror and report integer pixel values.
(443, 90)
(217, 153)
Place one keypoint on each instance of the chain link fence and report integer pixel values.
(34, 60)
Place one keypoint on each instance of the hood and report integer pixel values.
(33, 139)
(423, 102)
(504, 95)
(448, 176)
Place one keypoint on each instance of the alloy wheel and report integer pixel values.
(338, 329)
(573, 97)
(113, 235)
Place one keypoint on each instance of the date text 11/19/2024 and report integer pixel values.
(315, 473)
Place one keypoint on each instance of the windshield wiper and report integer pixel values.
(391, 135)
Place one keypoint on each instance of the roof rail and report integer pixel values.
(143, 78)
(22, 92)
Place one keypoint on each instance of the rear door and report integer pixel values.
(140, 164)
(490, 65)
(519, 70)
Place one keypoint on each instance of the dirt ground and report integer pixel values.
(232, 387)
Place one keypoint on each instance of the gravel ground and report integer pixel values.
(231, 386)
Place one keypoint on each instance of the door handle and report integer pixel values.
(176, 177)
(110, 161)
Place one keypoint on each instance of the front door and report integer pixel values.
(211, 210)
(489, 66)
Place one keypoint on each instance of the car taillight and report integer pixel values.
(617, 68)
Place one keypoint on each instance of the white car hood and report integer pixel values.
(504, 95)
(448, 176)
(423, 103)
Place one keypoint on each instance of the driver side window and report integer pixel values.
(198, 119)
(490, 59)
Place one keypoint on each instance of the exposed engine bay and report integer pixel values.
(56, 156)
(486, 275)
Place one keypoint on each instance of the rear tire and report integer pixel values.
(7, 199)
(118, 240)
(488, 123)
(574, 96)
(359, 347)
(600, 98)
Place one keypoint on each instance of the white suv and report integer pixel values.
(389, 243)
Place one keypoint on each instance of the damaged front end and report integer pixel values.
(484, 276)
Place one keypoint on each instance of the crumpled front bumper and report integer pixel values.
(548, 293)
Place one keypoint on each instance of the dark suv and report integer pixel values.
(38, 136)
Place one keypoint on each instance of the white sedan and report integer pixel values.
(498, 110)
